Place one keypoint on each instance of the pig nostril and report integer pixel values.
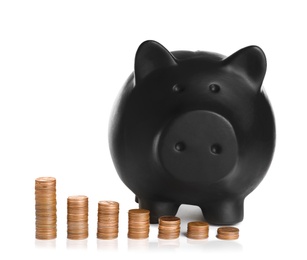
(180, 146)
(214, 88)
(216, 149)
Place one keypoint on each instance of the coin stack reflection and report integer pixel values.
(77, 217)
(169, 227)
(138, 223)
(198, 230)
(45, 208)
(107, 226)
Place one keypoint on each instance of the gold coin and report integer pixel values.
(227, 237)
(77, 217)
(45, 179)
(227, 233)
(108, 204)
(77, 201)
(228, 230)
(169, 227)
(192, 236)
(104, 219)
(77, 197)
(45, 236)
(77, 236)
(107, 235)
(138, 212)
(169, 220)
(198, 224)
(138, 236)
(168, 236)
(107, 219)
(138, 223)
(45, 208)
(198, 230)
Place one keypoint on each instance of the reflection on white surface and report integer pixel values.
(138, 244)
(197, 242)
(156, 245)
(45, 244)
(224, 245)
(168, 243)
(216, 245)
(76, 244)
(109, 245)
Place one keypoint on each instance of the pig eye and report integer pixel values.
(180, 146)
(216, 149)
(214, 88)
(177, 88)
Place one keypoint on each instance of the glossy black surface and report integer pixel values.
(193, 128)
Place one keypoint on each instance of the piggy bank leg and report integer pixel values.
(158, 208)
(225, 212)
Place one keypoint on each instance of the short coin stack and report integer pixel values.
(107, 225)
(45, 208)
(227, 233)
(138, 223)
(198, 230)
(169, 227)
(77, 217)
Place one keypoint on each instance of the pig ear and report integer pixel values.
(249, 62)
(149, 57)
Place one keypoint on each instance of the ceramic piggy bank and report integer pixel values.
(193, 128)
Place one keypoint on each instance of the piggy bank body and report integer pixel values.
(193, 128)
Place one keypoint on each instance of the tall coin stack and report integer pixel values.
(138, 223)
(198, 230)
(169, 227)
(77, 217)
(107, 226)
(45, 208)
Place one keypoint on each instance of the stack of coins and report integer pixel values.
(227, 233)
(77, 217)
(107, 226)
(169, 227)
(198, 230)
(138, 223)
(45, 208)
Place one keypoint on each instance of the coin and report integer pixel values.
(77, 217)
(227, 233)
(197, 230)
(138, 223)
(45, 208)
(107, 219)
(169, 220)
(107, 236)
(169, 227)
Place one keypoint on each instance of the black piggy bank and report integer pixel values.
(193, 128)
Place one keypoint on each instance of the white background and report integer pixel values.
(62, 64)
